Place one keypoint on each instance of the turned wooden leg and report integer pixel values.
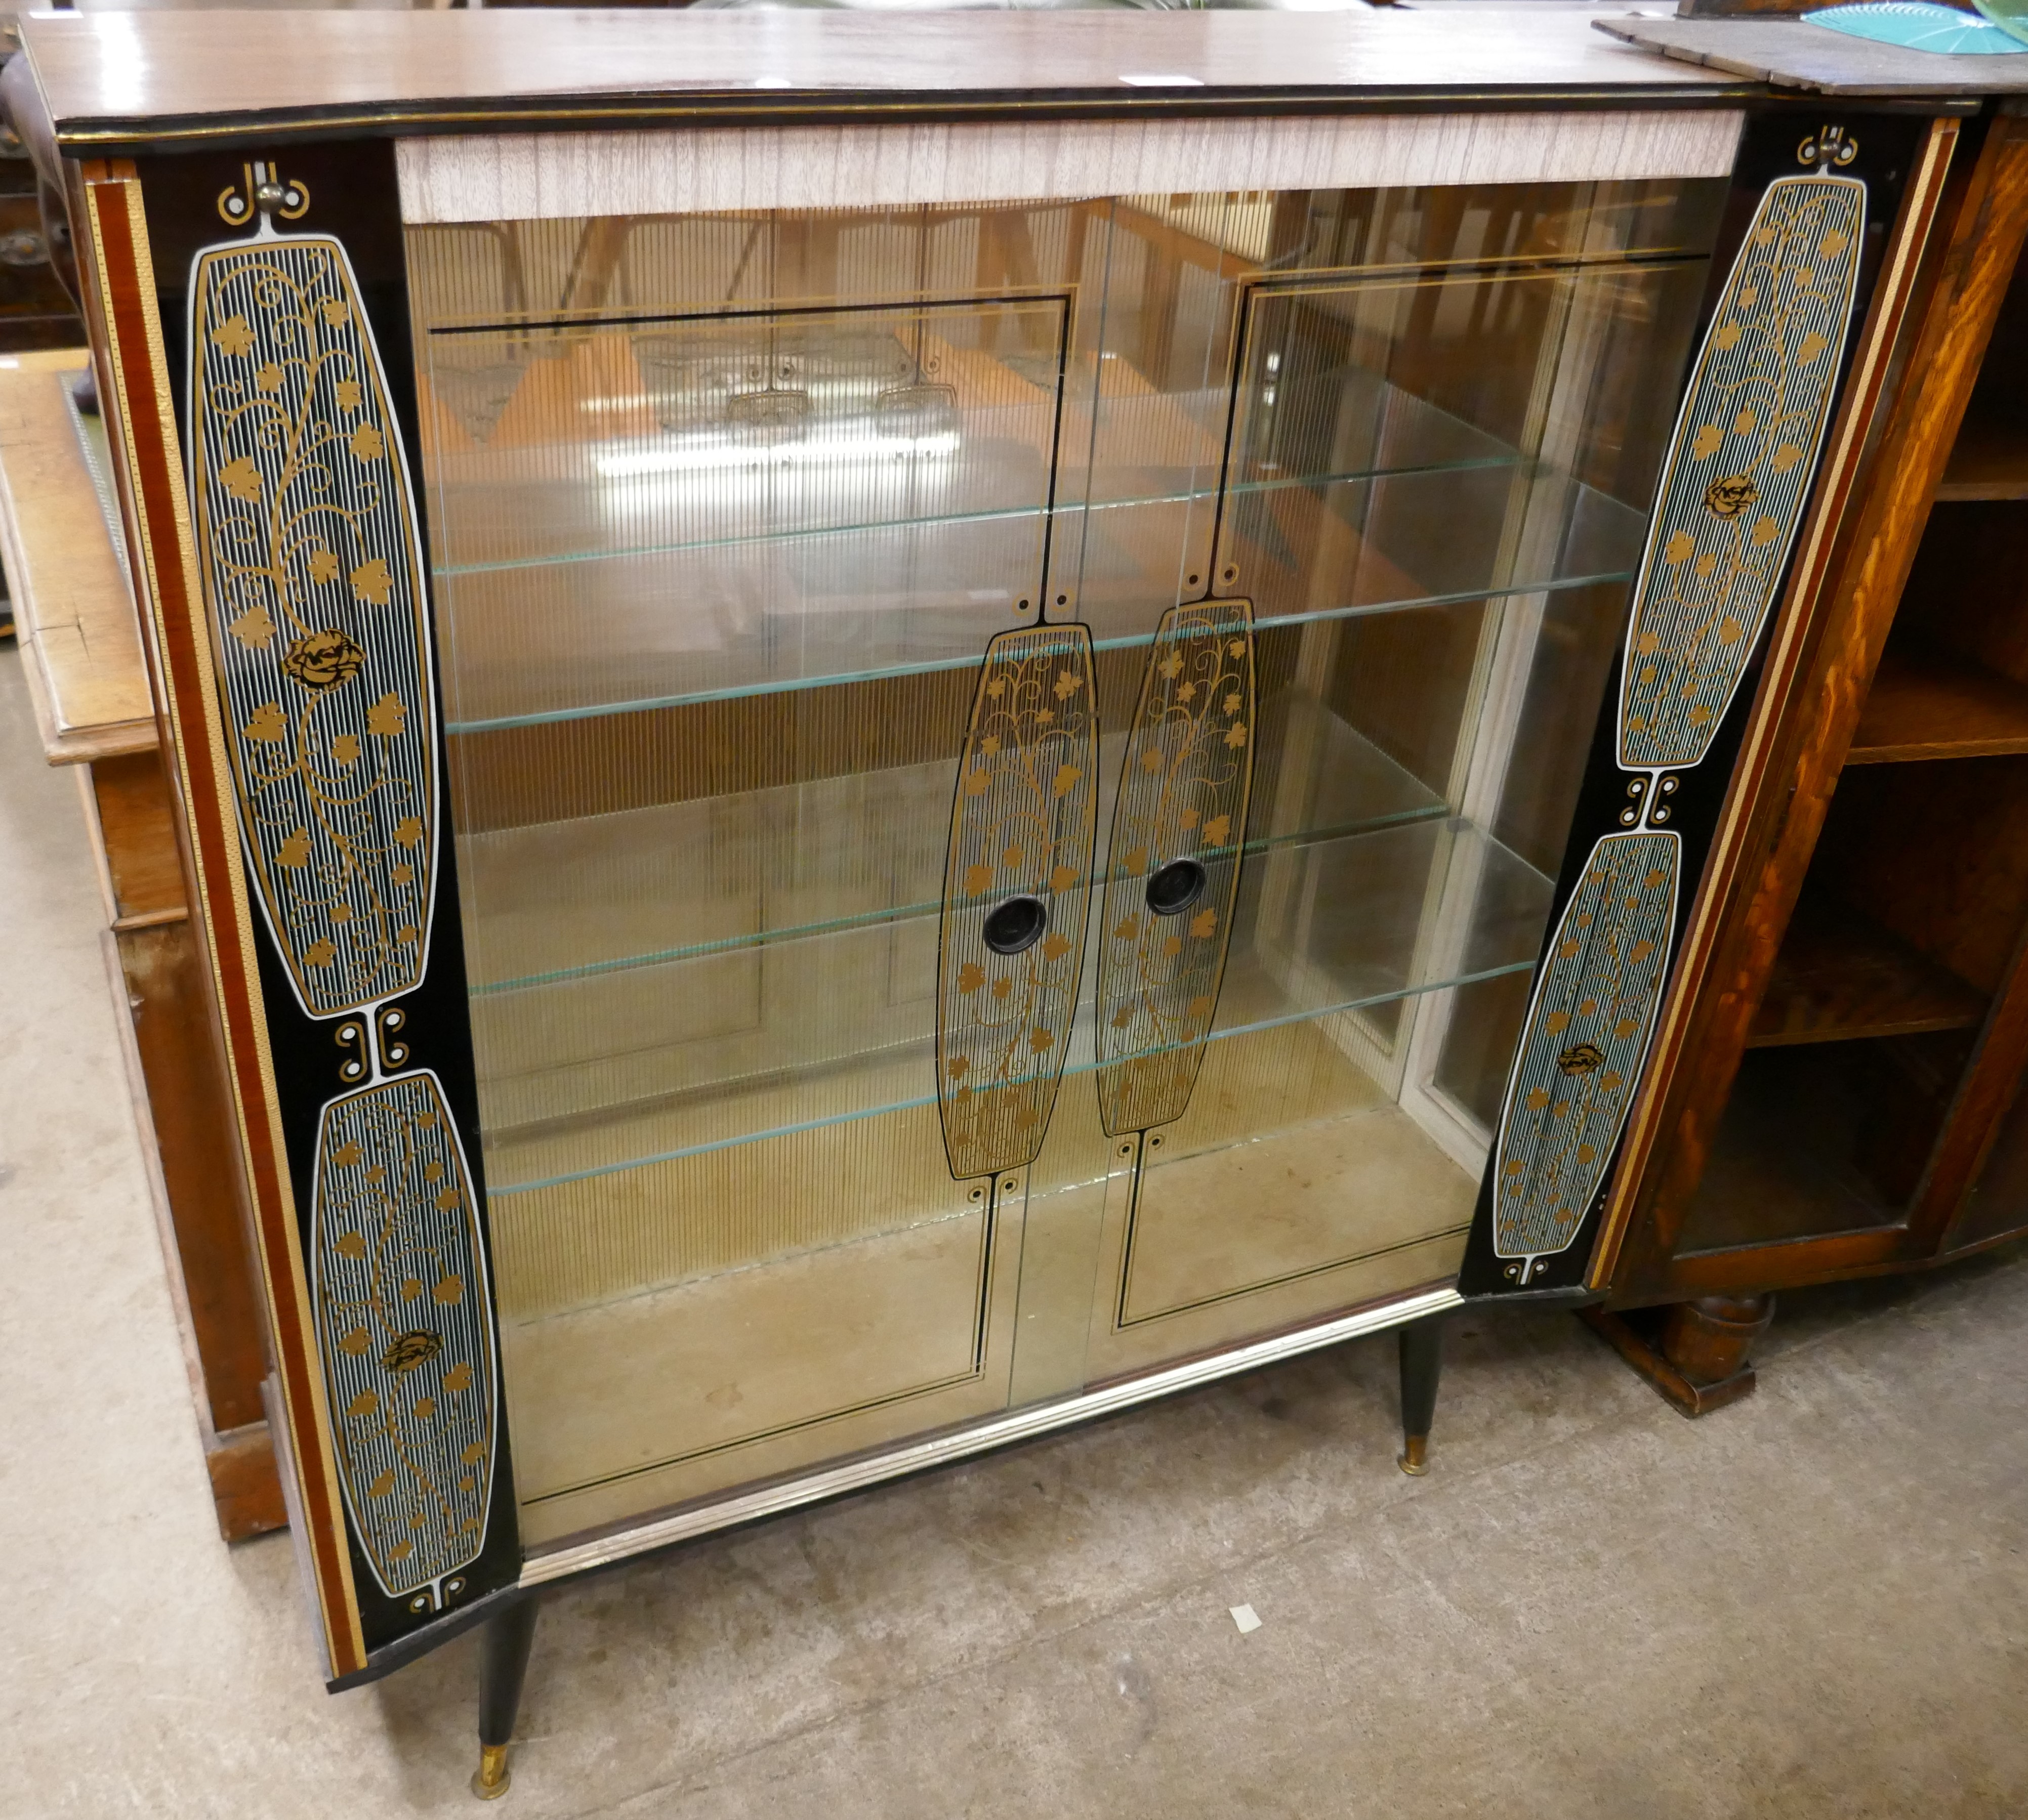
(503, 1666)
(1422, 1364)
(1712, 1338)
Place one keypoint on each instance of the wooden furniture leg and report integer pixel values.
(1699, 1357)
(1710, 1340)
(503, 1666)
(1422, 1364)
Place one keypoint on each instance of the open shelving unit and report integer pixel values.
(1854, 1105)
(1902, 950)
(1989, 459)
(1928, 703)
(1841, 977)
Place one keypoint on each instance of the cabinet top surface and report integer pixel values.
(1793, 53)
(109, 79)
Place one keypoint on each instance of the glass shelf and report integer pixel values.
(670, 494)
(729, 1049)
(907, 475)
(601, 895)
(727, 647)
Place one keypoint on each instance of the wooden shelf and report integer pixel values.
(1840, 976)
(1925, 704)
(1989, 460)
(1783, 1165)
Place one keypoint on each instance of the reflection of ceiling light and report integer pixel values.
(714, 455)
(850, 393)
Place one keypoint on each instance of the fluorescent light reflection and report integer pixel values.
(718, 454)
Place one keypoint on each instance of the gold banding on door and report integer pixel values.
(1179, 826)
(1016, 888)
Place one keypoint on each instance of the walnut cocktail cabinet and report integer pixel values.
(875, 764)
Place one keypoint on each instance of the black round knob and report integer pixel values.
(1174, 888)
(1015, 925)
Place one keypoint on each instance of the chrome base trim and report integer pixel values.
(982, 1437)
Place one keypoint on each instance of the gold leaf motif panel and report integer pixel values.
(1587, 1030)
(306, 544)
(1739, 468)
(400, 1288)
(1173, 862)
(1017, 885)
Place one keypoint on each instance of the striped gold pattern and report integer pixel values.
(1023, 825)
(400, 1290)
(1183, 793)
(1739, 468)
(306, 544)
(1587, 1031)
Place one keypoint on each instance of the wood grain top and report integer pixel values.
(1791, 53)
(111, 80)
(80, 641)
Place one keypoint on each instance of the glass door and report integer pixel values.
(1008, 764)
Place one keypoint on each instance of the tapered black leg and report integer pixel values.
(503, 1666)
(1422, 1364)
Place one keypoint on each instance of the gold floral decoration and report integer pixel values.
(1733, 485)
(320, 660)
(406, 1350)
(404, 1333)
(1185, 783)
(1729, 497)
(306, 536)
(1022, 825)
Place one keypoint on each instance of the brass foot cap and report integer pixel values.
(1414, 1458)
(493, 1778)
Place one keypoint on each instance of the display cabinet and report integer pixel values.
(882, 756)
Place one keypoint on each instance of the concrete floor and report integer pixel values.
(1809, 1604)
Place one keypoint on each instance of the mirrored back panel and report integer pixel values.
(1008, 763)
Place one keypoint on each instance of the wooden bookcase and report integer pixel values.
(1839, 1096)
(87, 678)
